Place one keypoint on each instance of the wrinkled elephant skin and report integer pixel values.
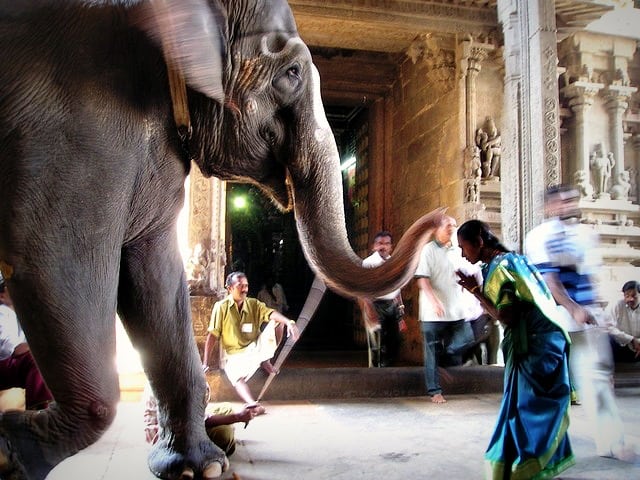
(92, 168)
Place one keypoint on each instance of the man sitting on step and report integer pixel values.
(249, 333)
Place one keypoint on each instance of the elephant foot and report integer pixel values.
(25, 448)
(204, 460)
(10, 466)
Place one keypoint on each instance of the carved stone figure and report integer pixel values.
(582, 184)
(601, 167)
(198, 270)
(490, 144)
(472, 174)
(586, 74)
(620, 191)
(621, 77)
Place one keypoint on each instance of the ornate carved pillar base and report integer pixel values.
(201, 307)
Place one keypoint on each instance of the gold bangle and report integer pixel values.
(474, 288)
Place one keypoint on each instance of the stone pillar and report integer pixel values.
(617, 102)
(530, 149)
(207, 211)
(472, 56)
(635, 142)
(581, 96)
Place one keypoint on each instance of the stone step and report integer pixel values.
(334, 376)
(354, 382)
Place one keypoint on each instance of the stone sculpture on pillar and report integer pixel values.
(472, 174)
(490, 144)
(620, 191)
(581, 181)
(601, 168)
(199, 268)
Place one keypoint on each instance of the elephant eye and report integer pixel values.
(294, 73)
(288, 81)
(269, 133)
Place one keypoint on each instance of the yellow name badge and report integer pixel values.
(247, 327)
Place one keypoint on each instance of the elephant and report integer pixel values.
(104, 107)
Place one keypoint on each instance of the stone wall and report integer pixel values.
(425, 135)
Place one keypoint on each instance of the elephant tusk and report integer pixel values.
(288, 181)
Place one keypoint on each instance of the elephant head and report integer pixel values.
(271, 130)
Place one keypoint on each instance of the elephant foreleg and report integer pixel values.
(72, 337)
(154, 308)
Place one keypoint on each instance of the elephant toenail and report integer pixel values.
(213, 470)
(187, 474)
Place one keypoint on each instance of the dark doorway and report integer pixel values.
(263, 241)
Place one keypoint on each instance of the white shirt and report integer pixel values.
(439, 263)
(11, 335)
(625, 323)
(375, 260)
(564, 244)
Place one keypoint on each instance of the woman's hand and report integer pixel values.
(468, 282)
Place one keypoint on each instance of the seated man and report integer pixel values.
(17, 366)
(624, 330)
(249, 333)
(218, 422)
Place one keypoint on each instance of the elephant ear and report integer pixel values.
(190, 33)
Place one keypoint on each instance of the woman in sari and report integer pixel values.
(530, 439)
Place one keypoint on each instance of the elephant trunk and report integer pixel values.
(324, 241)
(318, 203)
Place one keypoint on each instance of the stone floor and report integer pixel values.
(373, 438)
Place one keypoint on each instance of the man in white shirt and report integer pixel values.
(384, 331)
(443, 306)
(564, 252)
(625, 328)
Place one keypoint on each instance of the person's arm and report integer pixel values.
(244, 416)
(292, 328)
(425, 285)
(561, 296)
(505, 314)
(208, 347)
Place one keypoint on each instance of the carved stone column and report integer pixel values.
(472, 56)
(617, 102)
(207, 210)
(635, 142)
(581, 96)
(530, 155)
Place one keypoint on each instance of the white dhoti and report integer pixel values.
(242, 365)
(592, 366)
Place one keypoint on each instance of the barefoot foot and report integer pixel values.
(438, 398)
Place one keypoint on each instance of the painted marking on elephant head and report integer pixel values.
(6, 269)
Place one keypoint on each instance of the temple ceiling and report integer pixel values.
(358, 45)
